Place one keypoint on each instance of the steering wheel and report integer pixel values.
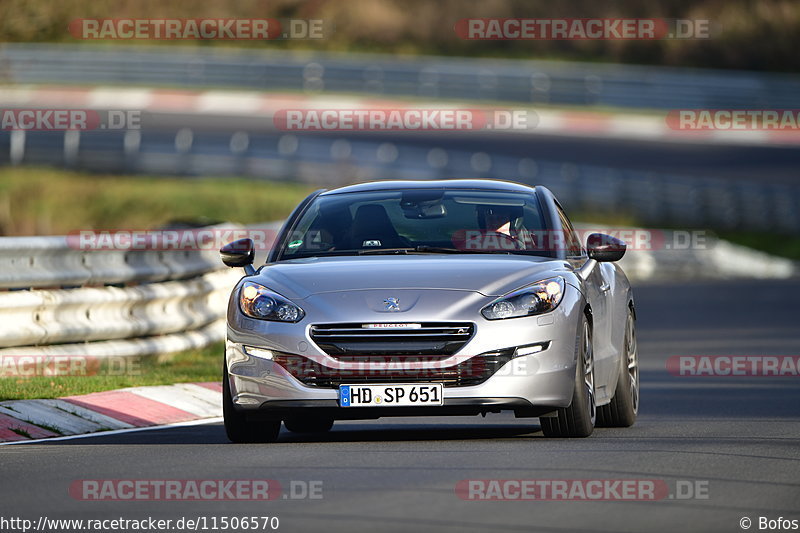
(508, 242)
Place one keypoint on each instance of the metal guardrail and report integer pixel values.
(156, 313)
(109, 302)
(538, 82)
(652, 198)
(710, 258)
(89, 314)
(39, 262)
(133, 348)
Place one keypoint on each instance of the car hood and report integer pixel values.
(490, 275)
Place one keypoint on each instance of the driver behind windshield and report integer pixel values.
(378, 221)
(506, 221)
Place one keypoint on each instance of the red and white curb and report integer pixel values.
(550, 121)
(124, 409)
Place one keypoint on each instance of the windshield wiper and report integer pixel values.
(372, 251)
(446, 250)
(320, 254)
(425, 249)
(388, 251)
(421, 249)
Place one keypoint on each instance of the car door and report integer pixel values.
(598, 288)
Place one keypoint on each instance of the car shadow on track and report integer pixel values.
(346, 431)
(379, 431)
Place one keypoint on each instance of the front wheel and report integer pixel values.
(238, 428)
(578, 419)
(624, 406)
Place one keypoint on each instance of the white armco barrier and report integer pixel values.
(658, 255)
(123, 302)
(92, 314)
(42, 262)
(170, 301)
(138, 347)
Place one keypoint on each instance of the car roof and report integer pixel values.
(471, 184)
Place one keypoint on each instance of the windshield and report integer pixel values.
(418, 221)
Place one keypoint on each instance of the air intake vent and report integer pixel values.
(351, 341)
(472, 371)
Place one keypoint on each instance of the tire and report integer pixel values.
(578, 419)
(238, 428)
(308, 425)
(624, 406)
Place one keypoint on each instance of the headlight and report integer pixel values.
(541, 297)
(257, 301)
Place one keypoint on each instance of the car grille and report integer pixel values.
(472, 371)
(354, 341)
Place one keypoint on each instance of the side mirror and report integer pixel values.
(239, 253)
(605, 248)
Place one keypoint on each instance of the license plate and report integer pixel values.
(394, 395)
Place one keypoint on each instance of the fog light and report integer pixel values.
(258, 352)
(530, 349)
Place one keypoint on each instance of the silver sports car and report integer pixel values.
(412, 298)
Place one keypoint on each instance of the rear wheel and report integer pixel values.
(624, 406)
(238, 428)
(578, 419)
(308, 425)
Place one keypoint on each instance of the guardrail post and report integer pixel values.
(72, 141)
(16, 153)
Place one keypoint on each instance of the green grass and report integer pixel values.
(613, 219)
(777, 244)
(21, 432)
(46, 201)
(771, 243)
(184, 367)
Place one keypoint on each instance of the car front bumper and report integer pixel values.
(530, 385)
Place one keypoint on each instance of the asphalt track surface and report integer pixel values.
(739, 438)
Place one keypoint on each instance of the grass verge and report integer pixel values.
(184, 367)
(46, 201)
(771, 243)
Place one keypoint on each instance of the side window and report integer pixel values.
(571, 241)
(300, 238)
